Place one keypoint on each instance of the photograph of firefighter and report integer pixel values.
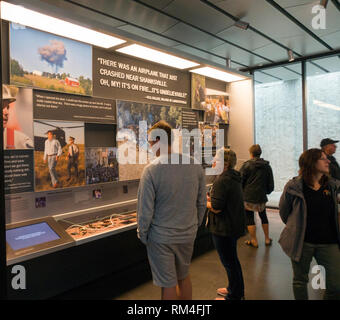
(59, 161)
(43, 60)
(17, 118)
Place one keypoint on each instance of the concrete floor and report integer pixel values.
(267, 272)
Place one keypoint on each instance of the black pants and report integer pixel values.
(250, 221)
(227, 250)
(72, 162)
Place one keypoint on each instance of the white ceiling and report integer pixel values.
(205, 29)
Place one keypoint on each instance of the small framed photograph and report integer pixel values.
(40, 202)
(97, 194)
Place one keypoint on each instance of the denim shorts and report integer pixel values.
(169, 262)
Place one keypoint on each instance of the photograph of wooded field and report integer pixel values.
(62, 131)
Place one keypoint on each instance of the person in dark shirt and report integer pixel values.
(309, 208)
(257, 182)
(328, 146)
(226, 222)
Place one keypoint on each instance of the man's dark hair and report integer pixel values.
(255, 150)
(164, 126)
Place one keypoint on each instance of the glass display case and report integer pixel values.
(95, 223)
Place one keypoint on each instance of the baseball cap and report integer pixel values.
(6, 94)
(325, 142)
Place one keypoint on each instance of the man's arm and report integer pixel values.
(145, 205)
(201, 203)
(60, 151)
(45, 151)
(77, 151)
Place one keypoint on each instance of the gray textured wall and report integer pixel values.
(278, 127)
(278, 120)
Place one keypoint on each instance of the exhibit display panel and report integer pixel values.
(69, 110)
(68, 117)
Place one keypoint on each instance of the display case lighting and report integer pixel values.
(36, 20)
(153, 55)
(217, 74)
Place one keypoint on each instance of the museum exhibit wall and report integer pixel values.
(97, 97)
(71, 90)
(241, 129)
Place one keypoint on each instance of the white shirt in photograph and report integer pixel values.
(52, 147)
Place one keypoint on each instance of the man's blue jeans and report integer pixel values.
(227, 250)
(52, 163)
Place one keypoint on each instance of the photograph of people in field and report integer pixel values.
(59, 154)
(43, 60)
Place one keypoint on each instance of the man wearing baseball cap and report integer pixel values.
(328, 147)
(13, 139)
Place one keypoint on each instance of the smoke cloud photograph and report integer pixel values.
(47, 61)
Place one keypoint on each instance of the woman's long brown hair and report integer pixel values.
(307, 163)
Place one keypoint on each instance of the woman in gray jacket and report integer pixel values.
(309, 208)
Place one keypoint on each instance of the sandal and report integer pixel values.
(250, 244)
(269, 243)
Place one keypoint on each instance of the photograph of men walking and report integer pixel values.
(59, 160)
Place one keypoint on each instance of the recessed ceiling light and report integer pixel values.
(153, 55)
(36, 20)
(217, 74)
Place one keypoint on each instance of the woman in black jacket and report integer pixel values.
(226, 222)
(257, 182)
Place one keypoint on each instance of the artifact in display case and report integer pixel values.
(99, 225)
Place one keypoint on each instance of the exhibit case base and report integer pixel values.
(108, 266)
